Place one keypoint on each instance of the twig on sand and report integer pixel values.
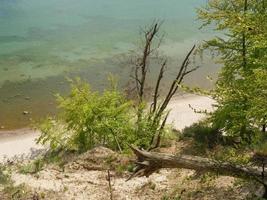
(109, 185)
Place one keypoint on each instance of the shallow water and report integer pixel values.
(42, 42)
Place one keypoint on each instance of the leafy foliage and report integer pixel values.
(89, 118)
(204, 135)
(241, 87)
(4, 175)
(232, 155)
(32, 167)
(145, 128)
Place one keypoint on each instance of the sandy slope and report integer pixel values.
(22, 142)
(85, 176)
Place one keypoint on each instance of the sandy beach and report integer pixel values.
(183, 115)
(21, 142)
(18, 143)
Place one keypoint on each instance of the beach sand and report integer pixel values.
(183, 115)
(21, 142)
(18, 143)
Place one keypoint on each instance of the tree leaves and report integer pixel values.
(241, 87)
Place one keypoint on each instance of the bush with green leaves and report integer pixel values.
(4, 174)
(33, 166)
(145, 130)
(238, 156)
(203, 134)
(88, 118)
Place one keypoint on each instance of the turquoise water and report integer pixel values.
(42, 42)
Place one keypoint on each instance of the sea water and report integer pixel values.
(44, 41)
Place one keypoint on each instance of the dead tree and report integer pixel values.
(141, 66)
(149, 162)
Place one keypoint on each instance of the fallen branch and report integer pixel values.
(109, 185)
(149, 162)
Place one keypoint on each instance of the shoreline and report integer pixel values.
(21, 142)
(7, 135)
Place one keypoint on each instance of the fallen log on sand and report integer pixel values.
(149, 162)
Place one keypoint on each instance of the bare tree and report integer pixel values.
(141, 66)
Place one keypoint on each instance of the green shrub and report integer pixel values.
(260, 147)
(88, 118)
(149, 126)
(19, 192)
(33, 167)
(4, 175)
(144, 130)
(203, 134)
(169, 135)
(55, 134)
(240, 156)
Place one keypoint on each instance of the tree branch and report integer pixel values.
(149, 162)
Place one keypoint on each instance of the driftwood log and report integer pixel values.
(149, 162)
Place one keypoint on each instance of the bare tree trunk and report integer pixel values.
(149, 36)
(156, 92)
(264, 125)
(109, 185)
(158, 139)
(183, 71)
(149, 162)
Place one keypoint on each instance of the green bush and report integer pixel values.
(260, 147)
(32, 167)
(239, 156)
(4, 175)
(144, 130)
(88, 118)
(203, 134)
(149, 130)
